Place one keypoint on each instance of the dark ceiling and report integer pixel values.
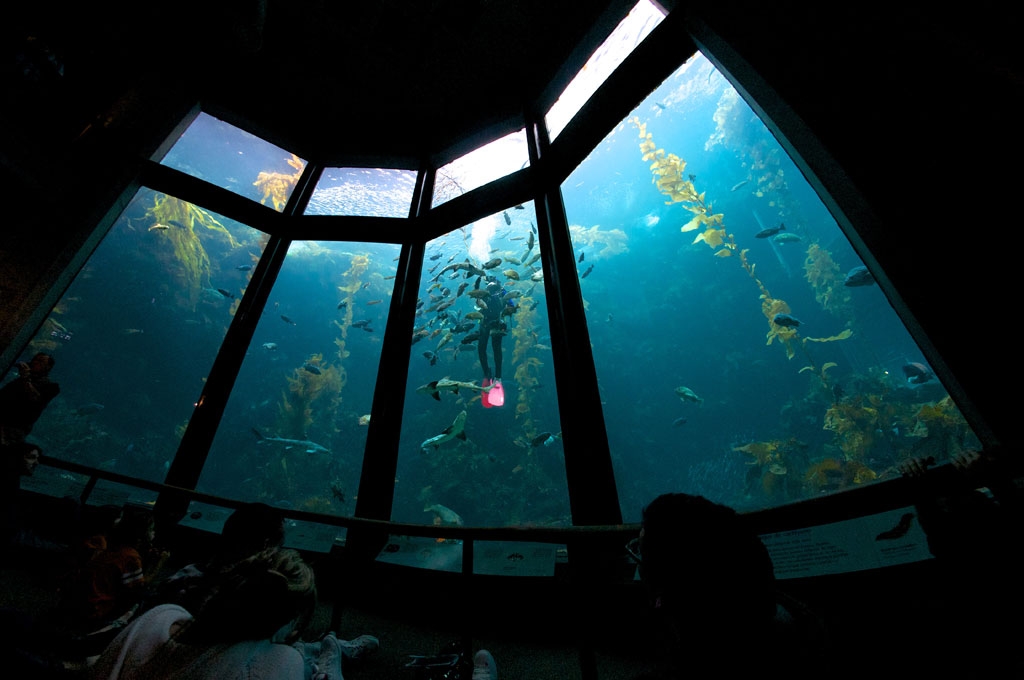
(328, 80)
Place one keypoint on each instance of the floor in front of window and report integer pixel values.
(523, 651)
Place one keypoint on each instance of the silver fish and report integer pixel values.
(454, 431)
(435, 387)
(308, 446)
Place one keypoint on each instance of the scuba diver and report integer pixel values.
(492, 327)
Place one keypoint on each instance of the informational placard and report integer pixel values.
(423, 552)
(871, 542)
(205, 517)
(54, 482)
(497, 558)
(113, 493)
(310, 536)
(299, 535)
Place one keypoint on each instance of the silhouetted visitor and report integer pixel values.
(973, 532)
(23, 399)
(18, 460)
(712, 585)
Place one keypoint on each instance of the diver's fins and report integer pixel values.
(496, 397)
(484, 395)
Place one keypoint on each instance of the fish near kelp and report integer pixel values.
(454, 431)
(858, 276)
(786, 320)
(917, 373)
(305, 444)
(686, 394)
(546, 439)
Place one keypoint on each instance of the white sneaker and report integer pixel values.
(484, 667)
(359, 647)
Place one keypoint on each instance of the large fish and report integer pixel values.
(858, 276)
(435, 387)
(917, 373)
(786, 237)
(686, 394)
(785, 320)
(769, 232)
(306, 445)
(444, 515)
(454, 431)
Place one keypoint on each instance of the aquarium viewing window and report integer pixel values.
(640, 21)
(480, 166)
(233, 159)
(742, 349)
(373, 192)
(294, 429)
(137, 330)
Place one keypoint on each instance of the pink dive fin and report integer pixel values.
(496, 397)
(484, 395)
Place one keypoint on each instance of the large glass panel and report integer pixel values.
(460, 461)
(743, 352)
(136, 332)
(294, 429)
(373, 192)
(630, 32)
(486, 164)
(236, 160)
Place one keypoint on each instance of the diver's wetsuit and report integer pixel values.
(491, 326)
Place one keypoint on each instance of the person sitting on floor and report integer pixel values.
(100, 595)
(244, 629)
(250, 529)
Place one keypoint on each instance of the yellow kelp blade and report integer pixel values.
(842, 336)
(692, 224)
